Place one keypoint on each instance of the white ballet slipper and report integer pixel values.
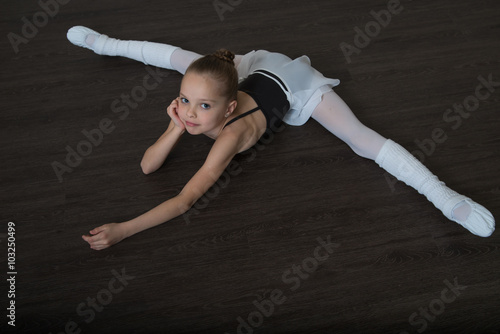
(78, 35)
(480, 220)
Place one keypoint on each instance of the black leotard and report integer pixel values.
(269, 96)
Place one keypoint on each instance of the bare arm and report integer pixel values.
(220, 156)
(157, 153)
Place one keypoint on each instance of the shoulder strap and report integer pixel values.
(242, 115)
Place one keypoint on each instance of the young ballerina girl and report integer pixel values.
(272, 88)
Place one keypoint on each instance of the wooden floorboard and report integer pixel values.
(393, 255)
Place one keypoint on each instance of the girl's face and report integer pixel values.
(202, 109)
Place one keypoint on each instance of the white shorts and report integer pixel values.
(305, 84)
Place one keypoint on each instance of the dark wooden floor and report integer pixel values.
(394, 253)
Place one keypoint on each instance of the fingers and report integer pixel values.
(98, 230)
(104, 236)
(174, 105)
(98, 239)
(96, 242)
(93, 241)
(172, 111)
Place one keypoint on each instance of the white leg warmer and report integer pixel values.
(405, 167)
(149, 53)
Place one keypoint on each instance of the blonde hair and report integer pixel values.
(220, 66)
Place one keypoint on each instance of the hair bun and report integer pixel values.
(225, 55)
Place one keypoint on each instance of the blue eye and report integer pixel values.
(205, 106)
(184, 100)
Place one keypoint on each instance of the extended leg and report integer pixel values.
(337, 117)
(150, 53)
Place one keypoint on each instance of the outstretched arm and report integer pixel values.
(220, 156)
(157, 153)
